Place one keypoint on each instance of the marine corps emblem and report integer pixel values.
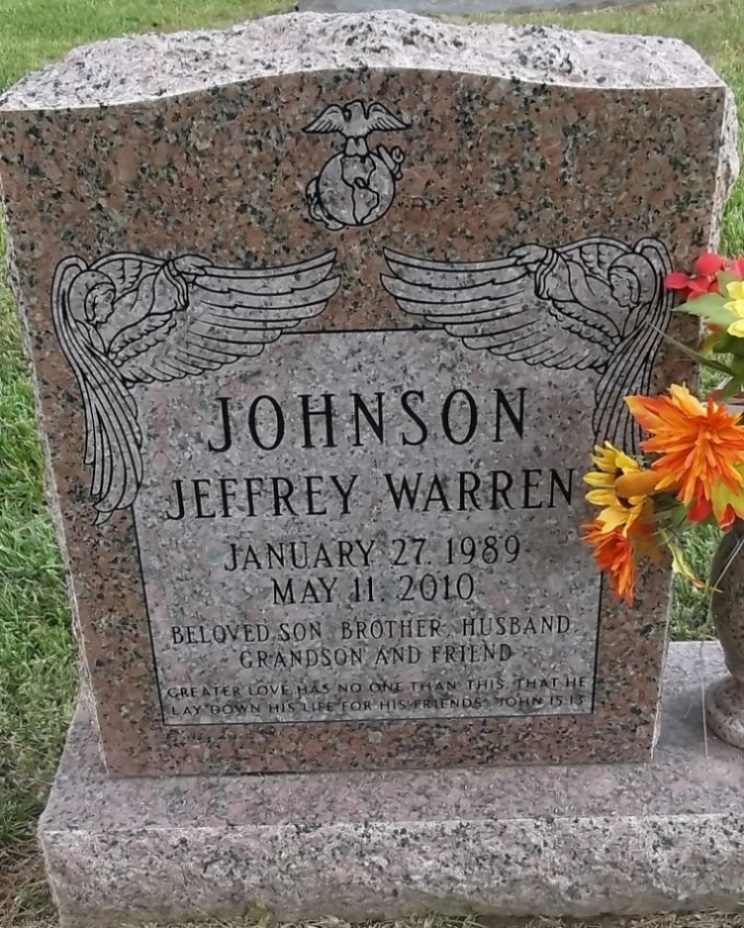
(355, 187)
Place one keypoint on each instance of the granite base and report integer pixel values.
(509, 841)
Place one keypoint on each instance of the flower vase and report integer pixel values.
(725, 698)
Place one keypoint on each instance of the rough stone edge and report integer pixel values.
(134, 69)
(49, 485)
(729, 166)
(465, 7)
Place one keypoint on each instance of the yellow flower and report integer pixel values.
(621, 488)
(736, 307)
(642, 483)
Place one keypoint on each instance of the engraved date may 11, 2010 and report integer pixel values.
(404, 555)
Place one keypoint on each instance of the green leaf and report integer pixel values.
(737, 366)
(709, 307)
(730, 344)
(725, 277)
(730, 389)
(696, 356)
(682, 569)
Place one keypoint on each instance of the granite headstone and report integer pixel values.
(322, 339)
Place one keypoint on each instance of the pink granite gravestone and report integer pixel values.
(325, 316)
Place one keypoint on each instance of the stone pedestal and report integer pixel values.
(569, 840)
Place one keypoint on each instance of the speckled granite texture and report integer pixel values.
(151, 186)
(452, 7)
(619, 839)
(133, 69)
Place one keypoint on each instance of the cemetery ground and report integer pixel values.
(37, 665)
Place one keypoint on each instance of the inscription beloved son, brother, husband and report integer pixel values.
(318, 416)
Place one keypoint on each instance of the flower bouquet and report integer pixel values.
(692, 468)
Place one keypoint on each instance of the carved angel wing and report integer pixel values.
(557, 308)
(630, 367)
(494, 306)
(229, 313)
(112, 434)
(131, 319)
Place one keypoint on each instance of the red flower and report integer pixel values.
(729, 516)
(704, 280)
(701, 506)
(709, 264)
(691, 287)
(736, 267)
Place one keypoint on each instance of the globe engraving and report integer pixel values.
(355, 190)
(355, 187)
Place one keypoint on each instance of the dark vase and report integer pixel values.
(725, 698)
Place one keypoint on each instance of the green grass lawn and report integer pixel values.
(35, 32)
(37, 672)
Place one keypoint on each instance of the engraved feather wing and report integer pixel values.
(556, 308)
(127, 271)
(379, 117)
(504, 307)
(330, 120)
(630, 368)
(356, 119)
(112, 435)
(204, 317)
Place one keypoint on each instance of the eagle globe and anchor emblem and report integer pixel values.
(355, 187)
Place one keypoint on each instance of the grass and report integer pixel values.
(37, 672)
(35, 32)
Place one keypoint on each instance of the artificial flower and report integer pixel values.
(709, 264)
(736, 267)
(617, 552)
(613, 552)
(696, 448)
(643, 483)
(691, 287)
(621, 487)
(700, 448)
(704, 280)
(736, 306)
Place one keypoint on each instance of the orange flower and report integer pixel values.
(614, 552)
(700, 448)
